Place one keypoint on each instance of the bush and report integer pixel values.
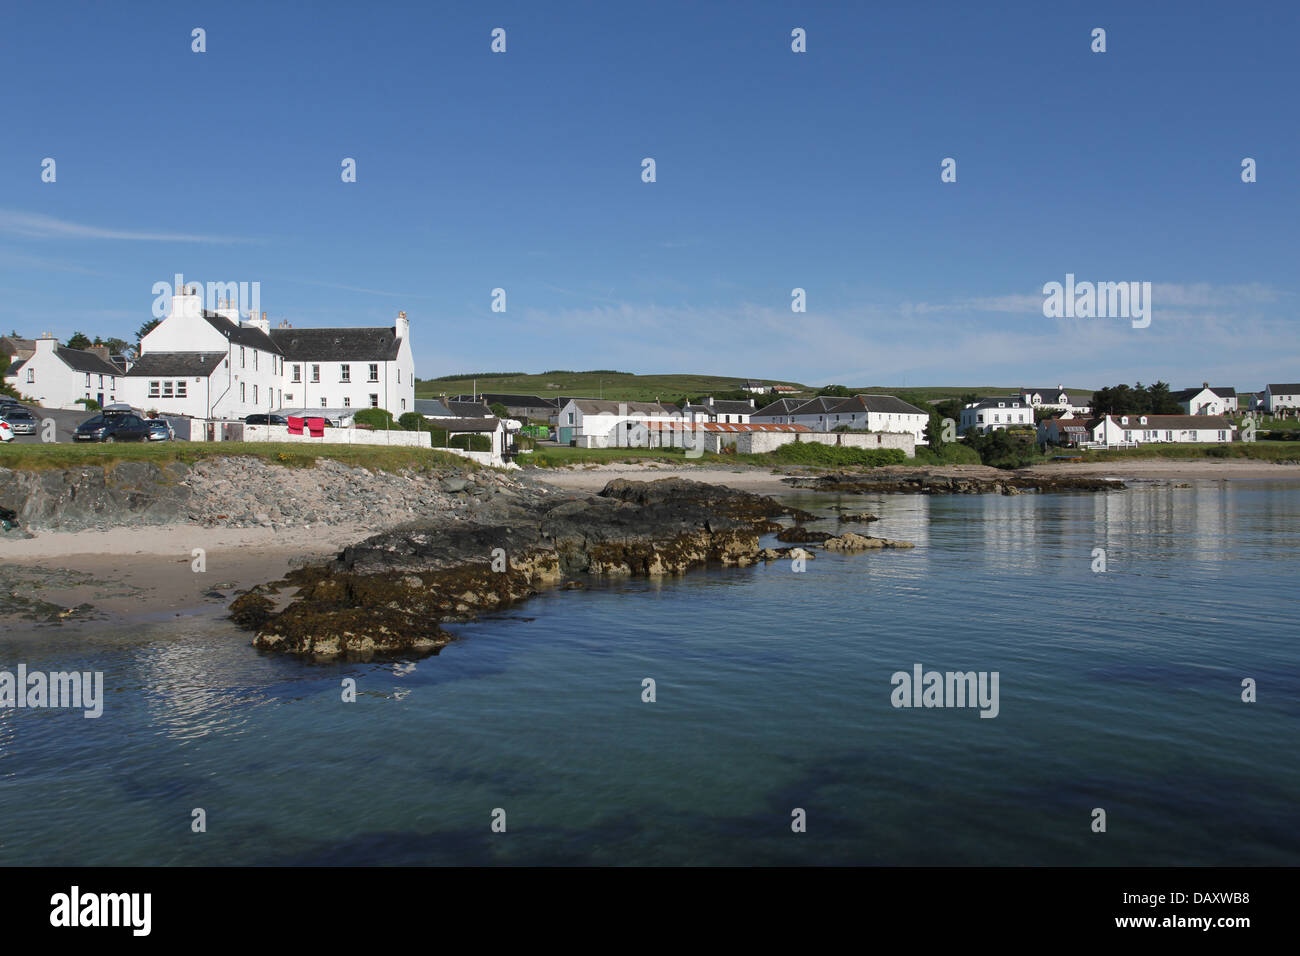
(815, 453)
(1003, 449)
(90, 403)
(413, 422)
(471, 442)
(375, 418)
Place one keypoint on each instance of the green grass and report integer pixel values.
(290, 454)
(612, 385)
(1285, 451)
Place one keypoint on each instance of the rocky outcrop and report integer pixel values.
(861, 542)
(391, 593)
(75, 499)
(1011, 484)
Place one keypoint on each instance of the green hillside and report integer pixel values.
(626, 386)
(595, 384)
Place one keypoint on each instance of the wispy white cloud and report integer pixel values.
(39, 226)
(352, 288)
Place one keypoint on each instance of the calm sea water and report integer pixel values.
(1119, 690)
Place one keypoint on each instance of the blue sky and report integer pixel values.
(775, 170)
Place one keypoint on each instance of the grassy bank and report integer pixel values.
(1256, 450)
(290, 454)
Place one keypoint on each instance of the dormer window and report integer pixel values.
(1124, 420)
(1144, 420)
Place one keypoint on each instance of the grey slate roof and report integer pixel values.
(176, 364)
(881, 404)
(80, 361)
(241, 335)
(1001, 401)
(1222, 391)
(337, 345)
(1285, 389)
(15, 366)
(781, 407)
(437, 408)
(492, 398)
(1156, 422)
(469, 424)
(733, 408)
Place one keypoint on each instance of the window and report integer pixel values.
(167, 389)
(297, 373)
(1169, 436)
(374, 372)
(1223, 436)
(241, 391)
(345, 373)
(254, 360)
(399, 376)
(374, 400)
(283, 397)
(347, 402)
(155, 389)
(241, 356)
(315, 373)
(570, 418)
(403, 404)
(1128, 436)
(254, 387)
(324, 404)
(87, 380)
(180, 388)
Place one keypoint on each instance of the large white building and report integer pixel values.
(1144, 429)
(1278, 398)
(879, 413)
(595, 423)
(1220, 400)
(1055, 399)
(56, 376)
(212, 364)
(995, 414)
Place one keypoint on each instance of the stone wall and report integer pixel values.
(757, 443)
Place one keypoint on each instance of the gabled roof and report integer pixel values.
(176, 364)
(241, 335)
(1222, 391)
(337, 345)
(80, 361)
(15, 366)
(17, 342)
(733, 408)
(1007, 401)
(508, 399)
(817, 406)
(488, 424)
(1155, 422)
(446, 408)
(782, 406)
(881, 404)
(1285, 389)
(596, 406)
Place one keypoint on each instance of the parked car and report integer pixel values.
(19, 419)
(160, 430)
(118, 426)
(266, 420)
(6, 433)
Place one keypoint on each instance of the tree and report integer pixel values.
(499, 410)
(79, 340)
(147, 328)
(834, 391)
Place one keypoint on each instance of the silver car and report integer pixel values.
(160, 429)
(20, 419)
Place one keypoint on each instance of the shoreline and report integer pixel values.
(763, 480)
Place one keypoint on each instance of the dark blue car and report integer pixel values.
(113, 427)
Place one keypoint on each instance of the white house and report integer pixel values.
(212, 364)
(993, 414)
(1279, 398)
(595, 423)
(1144, 429)
(879, 413)
(779, 412)
(56, 376)
(813, 413)
(726, 413)
(1220, 400)
(349, 367)
(1056, 399)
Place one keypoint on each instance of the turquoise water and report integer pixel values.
(1119, 690)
